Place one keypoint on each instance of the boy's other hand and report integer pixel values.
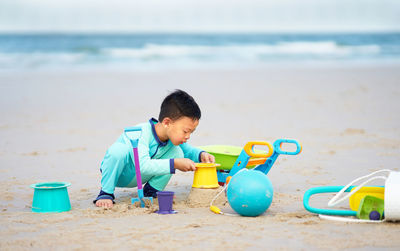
(184, 165)
(105, 203)
(207, 158)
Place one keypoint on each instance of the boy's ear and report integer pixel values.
(166, 121)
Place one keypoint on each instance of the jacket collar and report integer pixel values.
(152, 122)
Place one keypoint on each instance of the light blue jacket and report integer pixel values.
(155, 155)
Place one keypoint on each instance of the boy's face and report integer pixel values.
(179, 131)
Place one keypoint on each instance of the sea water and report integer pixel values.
(186, 51)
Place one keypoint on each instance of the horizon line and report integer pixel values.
(180, 32)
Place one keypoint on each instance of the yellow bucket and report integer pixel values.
(205, 176)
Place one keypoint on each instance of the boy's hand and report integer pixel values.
(207, 158)
(184, 165)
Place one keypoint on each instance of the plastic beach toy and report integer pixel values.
(133, 140)
(263, 161)
(165, 199)
(226, 155)
(371, 208)
(355, 199)
(249, 192)
(277, 150)
(205, 175)
(247, 157)
(326, 189)
(50, 197)
(368, 206)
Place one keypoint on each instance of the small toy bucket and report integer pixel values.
(205, 176)
(50, 197)
(165, 199)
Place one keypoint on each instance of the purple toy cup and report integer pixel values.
(165, 199)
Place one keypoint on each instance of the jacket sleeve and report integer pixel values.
(191, 152)
(150, 166)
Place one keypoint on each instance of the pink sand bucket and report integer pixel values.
(165, 199)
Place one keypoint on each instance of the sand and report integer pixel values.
(56, 126)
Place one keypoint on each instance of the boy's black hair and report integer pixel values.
(179, 104)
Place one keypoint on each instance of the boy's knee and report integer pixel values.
(117, 156)
(118, 151)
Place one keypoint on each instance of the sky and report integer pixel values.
(199, 16)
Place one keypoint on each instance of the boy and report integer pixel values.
(162, 149)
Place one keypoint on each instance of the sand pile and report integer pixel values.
(202, 197)
(197, 198)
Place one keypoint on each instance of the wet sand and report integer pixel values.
(56, 126)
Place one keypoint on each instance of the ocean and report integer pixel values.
(188, 51)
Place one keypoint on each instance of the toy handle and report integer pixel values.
(137, 169)
(278, 144)
(134, 144)
(335, 200)
(137, 131)
(325, 189)
(248, 148)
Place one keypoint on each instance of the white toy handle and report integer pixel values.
(344, 219)
(335, 200)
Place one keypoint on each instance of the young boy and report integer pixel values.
(162, 148)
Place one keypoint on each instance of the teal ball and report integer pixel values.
(250, 192)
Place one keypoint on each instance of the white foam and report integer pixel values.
(192, 54)
(328, 48)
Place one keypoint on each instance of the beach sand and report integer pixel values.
(56, 126)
